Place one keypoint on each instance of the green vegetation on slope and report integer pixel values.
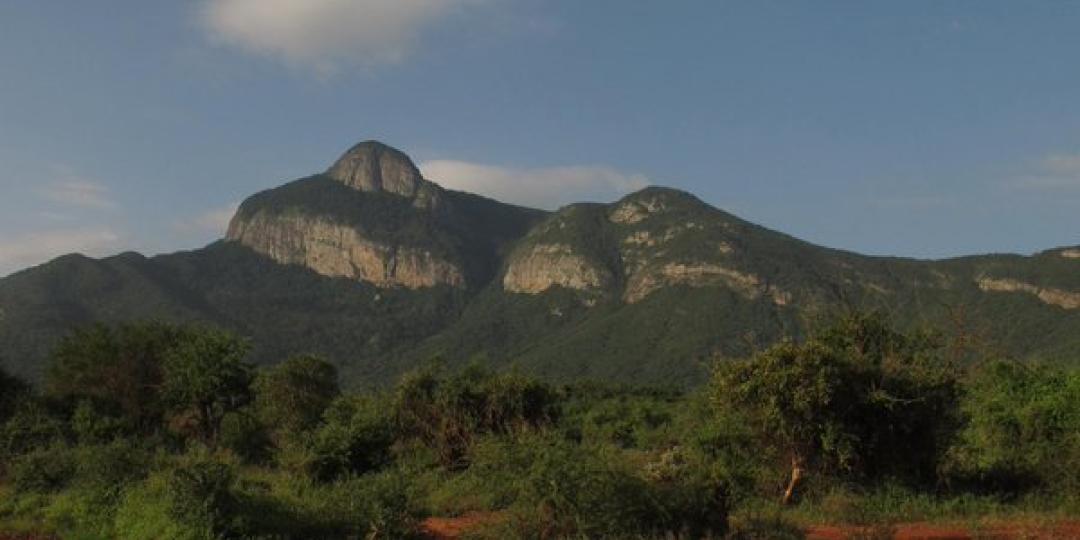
(157, 431)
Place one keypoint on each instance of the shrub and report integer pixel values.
(12, 392)
(293, 395)
(32, 427)
(242, 434)
(201, 494)
(1022, 430)
(447, 413)
(355, 438)
(43, 470)
(565, 490)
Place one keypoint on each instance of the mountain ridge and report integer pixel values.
(380, 269)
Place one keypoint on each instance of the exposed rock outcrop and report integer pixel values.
(372, 166)
(636, 211)
(644, 283)
(543, 266)
(292, 229)
(1071, 253)
(341, 251)
(1054, 297)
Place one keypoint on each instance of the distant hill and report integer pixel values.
(379, 269)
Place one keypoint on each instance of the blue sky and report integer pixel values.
(916, 128)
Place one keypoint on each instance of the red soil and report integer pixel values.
(926, 531)
(452, 528)
(437, 528)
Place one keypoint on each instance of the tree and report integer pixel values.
(1022, 429)
(292, 396)
(204, 377)
(448, 412)
(117, 369)
(12, 390)
(859, 398)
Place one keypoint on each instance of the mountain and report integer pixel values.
(380, 269)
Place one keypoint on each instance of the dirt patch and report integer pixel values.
(926, 531)
(450, 528)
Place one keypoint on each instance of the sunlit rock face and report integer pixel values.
(543, 266)
(331, 247)
(336, 250)
(1055, 297)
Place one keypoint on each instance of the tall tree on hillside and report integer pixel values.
(859, 398)
(205, 377)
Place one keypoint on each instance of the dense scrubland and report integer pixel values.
(152, 430)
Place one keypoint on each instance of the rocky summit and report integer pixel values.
(379, 269)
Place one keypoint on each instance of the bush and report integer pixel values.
(12, 392)
(565, 490)
(447, 413)
(1022, 431)
(356, 438)
(293, 395)
(32, 427)
(242, 434)
(43, 470)
(201, 494)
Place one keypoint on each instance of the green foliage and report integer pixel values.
(12, 391)
(859, 399)
(116, 369)
(201, 496)
(447, 412)
(883, 422)
(33, 426)
(1022, 429)
(243, 434)
(561, 490)
(355, 438)
(292, 396)
(43, 470)
(204, 377)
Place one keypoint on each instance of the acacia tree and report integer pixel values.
(205, 377)
(292, 396)
(859, 398)
(118, 369)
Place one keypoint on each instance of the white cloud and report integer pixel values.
(72, 189)
(325, 35)
(18, 252)
(213, 221)
(1057, 172)
(548, 187)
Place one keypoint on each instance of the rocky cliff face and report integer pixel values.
(300, 232)
(544, 266)
(1054, 297)
(341, 251)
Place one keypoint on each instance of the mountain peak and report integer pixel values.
(374, 166)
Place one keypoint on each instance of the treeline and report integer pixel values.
(159, 431)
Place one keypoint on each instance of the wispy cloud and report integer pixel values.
(325, 35)
(213, 221)
(21, 251)
(548, 187)
(1053, 173)
(72, 189)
